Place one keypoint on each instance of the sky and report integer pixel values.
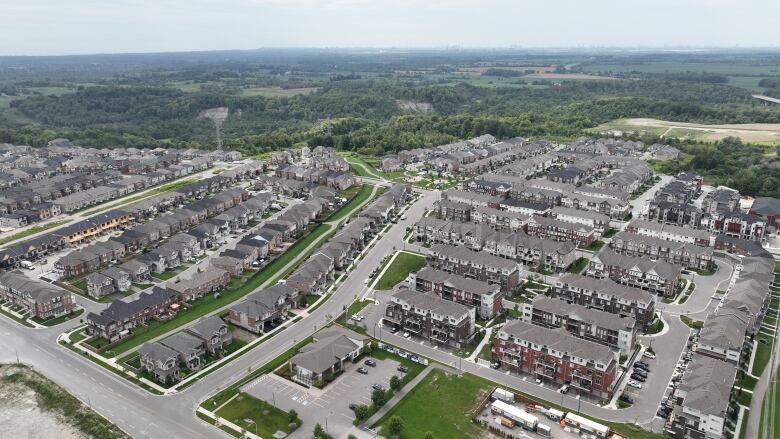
(56, 27)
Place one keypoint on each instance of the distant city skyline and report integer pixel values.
(51, 27)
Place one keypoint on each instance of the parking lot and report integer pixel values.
(327, 406)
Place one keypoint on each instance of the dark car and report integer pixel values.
(640, 372)
(353, 406)
(362, 370)
(642, 364)
(403, 369)
(639, 378)
(626, 398)
(370, 362)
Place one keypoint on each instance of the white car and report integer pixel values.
(634, 384)
(407, 335)
(649, 355)
(357, 318)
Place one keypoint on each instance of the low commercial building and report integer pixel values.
(591, 324)
(555, 356)
(325, 357)
(485, 298)
(430, 317)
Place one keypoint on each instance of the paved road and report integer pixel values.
(640, 204)
(148, 416)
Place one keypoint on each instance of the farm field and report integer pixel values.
(753, 132)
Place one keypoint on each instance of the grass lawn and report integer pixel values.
(256, 415)
(747, 382)
(610, 232)
(209, 303)
(361, 168)
(32, 231)
(743, 397)
(594, 246)
(655, 327)
(58, 320)
(360, 197)
(403, 264)
(578, 265)
(441, 403)
(773, 395)
(311, 299)
(763, 352)
(78, 336)
(693, 323)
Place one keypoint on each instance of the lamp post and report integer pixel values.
(251, 422)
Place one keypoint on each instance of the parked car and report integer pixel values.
(564, 388)
(403, 368)
(370, 362)
(634, 384)
(377, 387)
(353, 406)
(358, 318)
(362, 370)
(642, 365)
(625, 398)
(649, 355)
(495, 365)
(639, 378)
(407, 335)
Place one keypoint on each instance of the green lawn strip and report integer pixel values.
(77, 336)
(360, 197)
(743, 397)
(743, 424)
(655, 327)
(763, 353)
(209, 303)
(51, 397)
(16, 319)
(610, 232)
(399, 269)
(772, 394)
(594, 246)
(208, 420)
(255, 415)
(693, 323)
(310, 310)
(32, 230)
(578, 265)
(746, 382)
(311, 299)
(58, 320)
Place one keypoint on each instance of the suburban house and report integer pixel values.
(263, 310)
(213, 333)
(119, 318)
(160, 361)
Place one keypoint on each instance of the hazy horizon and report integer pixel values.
(49, 27)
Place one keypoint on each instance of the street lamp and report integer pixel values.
(250, 422)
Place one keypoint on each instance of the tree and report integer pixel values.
(292, 416)
(378, 397)
(351, 436)
(396, 426)
(362, 412)
(395, 383)
(428, 435)
(320, 433)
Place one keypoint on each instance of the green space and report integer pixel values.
(57, 320)
(53, 398)
(361, 168)
(357, 200)
(257, 416)
(655, 327)
(578, 265)
(763, 353)
(210, 303)
(79, 335)
(770, 409)
(693, 323)
(32, 230)
(594, 246)
(403, 264)
(15, 318)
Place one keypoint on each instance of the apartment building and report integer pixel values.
(606, 295)
(475, 265)
(679, 253)
(598, 221)
(659, 277)
(671, 232)
(39, 298)
(558, 230)
(430, 317)
(556, 356)
(591, 324)
(485, 298)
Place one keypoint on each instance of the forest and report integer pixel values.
(353, 102)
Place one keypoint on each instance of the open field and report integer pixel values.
(749, 132)
(403, 264)
(770, 409)
(723, 68)
(564, 76)
(276, 92)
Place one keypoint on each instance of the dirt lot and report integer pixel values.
(32, 407)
